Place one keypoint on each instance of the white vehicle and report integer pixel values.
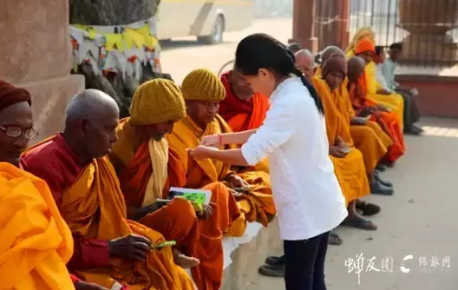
(206, 19)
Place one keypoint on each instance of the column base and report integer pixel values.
(50, 97)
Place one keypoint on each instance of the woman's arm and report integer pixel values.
(237, 138)
(232, 156)
(227, 138)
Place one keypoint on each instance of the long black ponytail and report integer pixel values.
(260, 50)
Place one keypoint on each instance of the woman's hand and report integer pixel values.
(383, 92)
(211, 140)
(236, 181)
(201, 152)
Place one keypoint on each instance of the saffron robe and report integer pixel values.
(388, 121)
(244, 115)
(257, 203)
(93, 207)
(176, 221)
(369, 139)
(349, 170)
(36, 243)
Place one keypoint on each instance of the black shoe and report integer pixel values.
(378, 188)
(275, 261)
(413, 130)
(379, 179)
(381, 168)
(367, 208)
(272, 271)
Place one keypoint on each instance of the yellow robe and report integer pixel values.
(350, 170)
(256, 204)
(36, 243)
(94, 208)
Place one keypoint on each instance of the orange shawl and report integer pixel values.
(36, 243)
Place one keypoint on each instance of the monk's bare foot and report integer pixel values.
(184, 261)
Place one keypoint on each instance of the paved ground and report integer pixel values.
(419, 220)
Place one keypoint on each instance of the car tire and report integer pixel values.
(216, 35)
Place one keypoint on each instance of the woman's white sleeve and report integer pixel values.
(277, 129)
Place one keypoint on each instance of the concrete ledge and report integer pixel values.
(49, 100)
(438, 95)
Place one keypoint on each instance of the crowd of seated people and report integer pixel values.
(85, 208)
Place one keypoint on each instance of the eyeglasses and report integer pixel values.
(15, 132)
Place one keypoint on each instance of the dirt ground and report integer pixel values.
(417, 226)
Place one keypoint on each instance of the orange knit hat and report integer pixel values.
(365, 45)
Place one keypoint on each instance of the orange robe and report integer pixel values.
(388, 121)
(257, 203)
(244, 115)
(369, 139)
(176, 221)
(36, 243)
(349, 170)
(93, 206)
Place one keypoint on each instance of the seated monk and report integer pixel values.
(242, 109)
(365, 107)
(141, 158)
(348, 161)
(365, 133)
(203, 92)
(39, 260)
(110, 250)
(363, 45)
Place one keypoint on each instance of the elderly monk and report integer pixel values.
(242, 109)
(109, 249)
(203, 92)
(141, 158)
(365, 49)
(38, 260)
(365, 107)
(348, 161)
(367, 135)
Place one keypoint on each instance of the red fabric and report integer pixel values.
(55, 162)
(74, 278)
(10, 95)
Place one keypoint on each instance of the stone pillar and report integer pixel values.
(303, 26)
(343, 38)
(35, 53)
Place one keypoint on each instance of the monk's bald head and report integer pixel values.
(305, 60)
(356, 66)
(329, 51)
(91, 120)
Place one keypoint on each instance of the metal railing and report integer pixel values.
(427, 28)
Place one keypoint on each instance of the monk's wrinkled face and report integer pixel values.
(239, 86)
(334, 79)
(158, 131)
(100, 133)
(15, 131)
(202, 112)
(368, 56)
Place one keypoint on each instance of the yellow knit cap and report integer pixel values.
(203, 85)
(157, 101)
